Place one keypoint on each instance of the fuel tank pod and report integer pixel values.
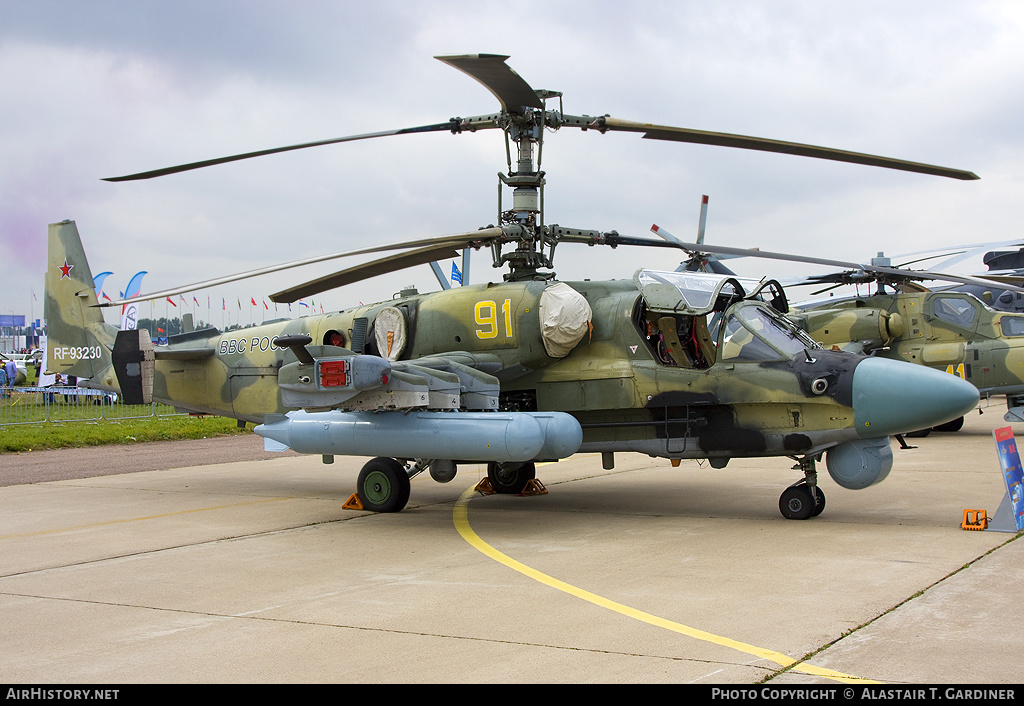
(460, 436)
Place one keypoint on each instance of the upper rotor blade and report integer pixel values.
(383, 266)
(722, 139)
(436, 127)
(458, 240)
(512, 92)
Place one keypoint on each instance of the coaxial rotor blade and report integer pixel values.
(1005, 279)
(761, 144)
(615, 239)
(894, 272)
(511, 90)
(582, 237)
(956, 254)
(383, 266)
(1018, 242)
(822, 291)
(834, 281)
(458, 240)
(451, 125)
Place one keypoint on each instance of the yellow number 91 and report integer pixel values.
(486, 315)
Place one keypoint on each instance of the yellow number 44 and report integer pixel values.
(959, 372)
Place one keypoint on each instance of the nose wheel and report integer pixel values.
(804, 499)
(801, 502)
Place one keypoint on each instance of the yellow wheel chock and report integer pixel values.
(974, 520)
(353, 503)
(533, 487)
(484, 487)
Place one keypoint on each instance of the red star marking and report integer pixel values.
(65, 271)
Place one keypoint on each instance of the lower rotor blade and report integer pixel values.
(735, 252)
(457, 240)
(383, 266)
(826, 289)
(1005, 280)
(894, 272)
(722, 139)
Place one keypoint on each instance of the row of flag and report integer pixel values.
(135, 288)
(252, 301)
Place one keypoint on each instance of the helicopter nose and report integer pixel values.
(893, 397)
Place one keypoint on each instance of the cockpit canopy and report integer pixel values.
(697, 293)
(681, 314)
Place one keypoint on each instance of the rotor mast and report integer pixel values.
(523, 118)
(526, 180)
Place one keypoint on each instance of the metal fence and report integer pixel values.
(37, 405)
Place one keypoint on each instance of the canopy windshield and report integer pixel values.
(690, 293)
(757, 333)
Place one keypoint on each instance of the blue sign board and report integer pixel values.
(1009, 459)
(12, 319)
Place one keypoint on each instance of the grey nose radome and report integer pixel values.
(893, 397)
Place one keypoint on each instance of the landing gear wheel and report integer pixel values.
(819, 501)
(955, 425)
(798, 503)
(383, 485)
(510, 478)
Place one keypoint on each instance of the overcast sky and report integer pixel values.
(99, 89)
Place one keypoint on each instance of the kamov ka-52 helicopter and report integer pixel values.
(673, 365)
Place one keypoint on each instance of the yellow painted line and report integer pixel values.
(461, 519)
(138, 519)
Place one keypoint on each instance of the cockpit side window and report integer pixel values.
(757, 333)
(740, 343)
(1012, 325)
(955, 310)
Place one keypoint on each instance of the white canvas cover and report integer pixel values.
(564, 319)
(389, 330)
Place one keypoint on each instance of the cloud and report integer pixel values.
(101, 89)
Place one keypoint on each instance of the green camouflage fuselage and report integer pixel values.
(753, 387)
(625, 398)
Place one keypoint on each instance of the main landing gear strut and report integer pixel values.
(804, 499)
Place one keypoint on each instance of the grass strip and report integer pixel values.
(55, 435)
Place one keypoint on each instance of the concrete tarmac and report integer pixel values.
(251, 571)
